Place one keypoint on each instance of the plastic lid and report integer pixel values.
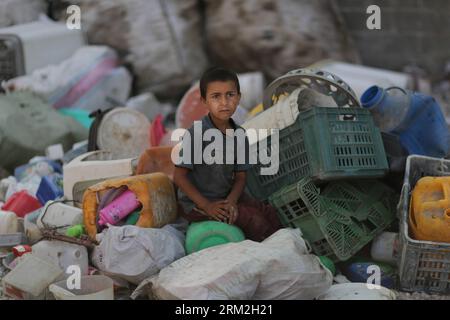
(328, 264)
(124, 132)
(371, 96)
(202, 235)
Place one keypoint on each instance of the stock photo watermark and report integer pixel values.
(74, 280)
(213, 153)
(374, 20)
(73, 21)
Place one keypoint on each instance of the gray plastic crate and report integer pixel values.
(423, 265)
(11, 57)
(12, 239)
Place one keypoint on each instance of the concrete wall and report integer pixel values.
(412, 32)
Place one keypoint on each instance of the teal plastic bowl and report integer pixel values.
(80, 115)
(202, 235)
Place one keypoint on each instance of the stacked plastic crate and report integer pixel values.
(329, 159)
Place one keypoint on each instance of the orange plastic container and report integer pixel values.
(429, 212)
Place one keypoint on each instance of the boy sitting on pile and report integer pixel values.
(213, 190)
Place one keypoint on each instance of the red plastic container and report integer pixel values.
(21, 203)
(191, 108)
(21, 250)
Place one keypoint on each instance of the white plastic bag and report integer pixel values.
(134, 254)
(90, 79)
(280, 267)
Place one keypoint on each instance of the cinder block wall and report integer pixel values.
(412, 32)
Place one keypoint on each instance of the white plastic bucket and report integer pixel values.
(96, 287)
(357, 291)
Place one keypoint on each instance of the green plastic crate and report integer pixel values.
(343, 143)
(339, 221)
(324, 144)
(293, 163)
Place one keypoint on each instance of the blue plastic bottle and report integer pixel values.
(415, 118)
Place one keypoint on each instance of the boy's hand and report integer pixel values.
(218, 210)
(233, 211)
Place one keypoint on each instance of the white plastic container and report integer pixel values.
(91, 168)
(57, 215)
(30, 278)
(8, 222)
(357, 291)
(385, 248)
(285, 111)
(96, 287)
(63, 255)
(37, 44)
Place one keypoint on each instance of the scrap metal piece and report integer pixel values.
(83, 240)
(319, 80)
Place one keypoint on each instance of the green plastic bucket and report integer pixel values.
(202, 235)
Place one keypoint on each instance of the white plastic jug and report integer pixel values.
(385, 247)
(57, 214)
(62, 254)
(30, 278)
(8, 222)
(96, 287)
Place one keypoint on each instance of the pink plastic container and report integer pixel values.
(119, 208)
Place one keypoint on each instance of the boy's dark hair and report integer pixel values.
(217, 74)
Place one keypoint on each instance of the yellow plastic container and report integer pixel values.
(429, 212)
(154, 191)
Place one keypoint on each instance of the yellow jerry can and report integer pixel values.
(429, 213)
(154, 191)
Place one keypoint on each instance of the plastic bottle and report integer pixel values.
(384, 248)
(416, 118)
(121, 207)
(75, 231)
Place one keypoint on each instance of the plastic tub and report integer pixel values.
(356, 291)
(202, 235)
(96, 287)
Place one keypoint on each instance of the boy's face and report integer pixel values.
(222, 99)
